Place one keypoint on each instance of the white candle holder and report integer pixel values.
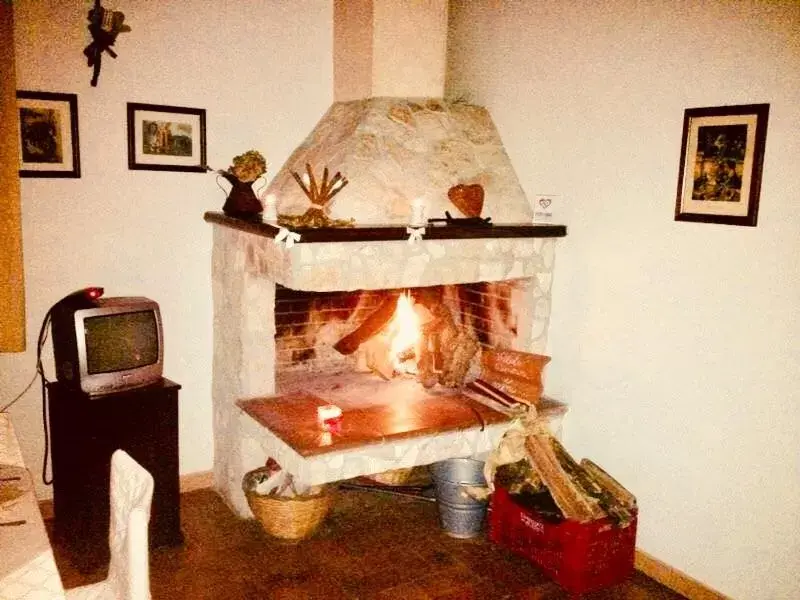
(270, 209)
(418, 210)
(329, 416)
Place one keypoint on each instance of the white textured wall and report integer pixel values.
(409, 48)
(676, 344)
(263, 72)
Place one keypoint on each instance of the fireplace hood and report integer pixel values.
(397, 151)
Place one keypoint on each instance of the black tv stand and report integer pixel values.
(85, 430)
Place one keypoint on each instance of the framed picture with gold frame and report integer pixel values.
(722, 158)
(48, 134)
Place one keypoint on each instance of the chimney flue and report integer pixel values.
(394, 48)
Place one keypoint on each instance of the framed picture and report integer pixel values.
(48, 134)
(166, 138)
(722, 156)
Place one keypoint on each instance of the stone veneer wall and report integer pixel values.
(399, 150)
(245, 271)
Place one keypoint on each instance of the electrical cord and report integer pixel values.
(40, 369)
(83, 294)
(21, 394)
(42, 338)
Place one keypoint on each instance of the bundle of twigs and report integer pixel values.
(320, 193)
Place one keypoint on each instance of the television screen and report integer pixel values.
(117, 342)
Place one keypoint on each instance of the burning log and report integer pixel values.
(371, 326)
(376, 351)
(457, 354)
(443, 351)
(429, 360)
(446, 350)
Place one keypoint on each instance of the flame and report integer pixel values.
(404, 330)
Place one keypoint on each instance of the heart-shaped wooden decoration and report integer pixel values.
(467, 198)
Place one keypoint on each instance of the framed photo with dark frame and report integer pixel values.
(722, 157)
(48, 134)
(166, 138)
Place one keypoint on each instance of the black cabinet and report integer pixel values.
(84, 431)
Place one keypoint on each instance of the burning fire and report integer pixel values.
(398, 346)
(404, 335)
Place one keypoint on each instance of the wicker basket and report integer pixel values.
(287, 518)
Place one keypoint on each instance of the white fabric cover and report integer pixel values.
(129, 568)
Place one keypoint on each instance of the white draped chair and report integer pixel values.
(129, 569)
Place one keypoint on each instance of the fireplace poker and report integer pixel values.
(416, 493)
(484, 388)
(467, 221)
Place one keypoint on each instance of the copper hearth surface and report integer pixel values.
(373, 411)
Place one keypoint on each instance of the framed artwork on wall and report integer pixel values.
(48, 134)
(722, 157)
(166, 138)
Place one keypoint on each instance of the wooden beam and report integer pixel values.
(674, 579)
(200, 480)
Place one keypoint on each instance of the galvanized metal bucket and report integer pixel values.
(460, 514)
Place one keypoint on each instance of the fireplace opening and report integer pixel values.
(434, 334)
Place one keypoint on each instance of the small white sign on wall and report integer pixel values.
(546, 209)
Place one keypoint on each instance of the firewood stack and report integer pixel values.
(582, 491)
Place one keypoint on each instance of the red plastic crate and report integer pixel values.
(580, 557)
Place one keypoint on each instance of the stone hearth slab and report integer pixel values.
(415, 413)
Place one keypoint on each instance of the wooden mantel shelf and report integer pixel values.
(374, 233)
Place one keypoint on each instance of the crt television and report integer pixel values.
(107, 345)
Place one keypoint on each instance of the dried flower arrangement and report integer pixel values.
(246, 168)
(320, 194)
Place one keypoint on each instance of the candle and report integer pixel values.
(328, 413)
(417, 218)
(270, 208)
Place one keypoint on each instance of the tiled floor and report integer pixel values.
(371, 546)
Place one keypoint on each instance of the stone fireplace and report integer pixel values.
(498, 284)
(280, 308)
